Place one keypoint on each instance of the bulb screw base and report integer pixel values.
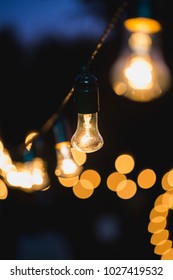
(86, 92)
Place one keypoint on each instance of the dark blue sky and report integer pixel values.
(68, 19)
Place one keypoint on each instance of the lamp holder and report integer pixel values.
(86, 92)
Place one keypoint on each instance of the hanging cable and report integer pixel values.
(116, 16)
(111, 24)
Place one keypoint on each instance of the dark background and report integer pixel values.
(36, 75)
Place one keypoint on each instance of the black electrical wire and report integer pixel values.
(116, 16)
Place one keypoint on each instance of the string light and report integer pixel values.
(140, 73)
(31, 174)
(87, 137)
(11, 169)
(66, 165)
(158, 223)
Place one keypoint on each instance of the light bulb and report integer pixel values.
(140, 72)
(66, 166)
(87, 137)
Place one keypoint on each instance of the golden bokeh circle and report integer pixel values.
(126, 189)
(82, 192)
(146, 178)
(158, 222)
(68, 182)
(114, 179)
(124, 163)
(92, 176)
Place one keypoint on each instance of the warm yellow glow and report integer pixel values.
(162, 247)
(82, 192)
(120, 88)
(155, 226)
(167, 200)
(170, 178)
(86, 184)
(37, 178)
(124, 163)
(69, 166)
(1, 146)
(87, 137)
(167, 255)
(68, 182)
(8, 167)
(5, 160)
(66, 165)
(79, 157)
(140, 42)
(126, 189)
(164, 182)
(25, 179)
(158, 200)
(12, 178)
(146, 178)
(29, 175)
(114, 179)
(142, 24)
(139, 73)
(158, 219)
(160, 236)
(161, 211)
(46, 188)
(92, 176)
(29, 138)
(3, 190)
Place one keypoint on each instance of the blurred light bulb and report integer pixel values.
(140, 72)
(87, 137)
(66, 165)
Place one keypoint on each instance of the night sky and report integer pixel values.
(43, 45)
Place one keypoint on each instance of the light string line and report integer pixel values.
(116, 16)
(49, 123)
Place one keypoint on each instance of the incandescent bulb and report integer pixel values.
(87, 137)
(66, 165)
(140, 72)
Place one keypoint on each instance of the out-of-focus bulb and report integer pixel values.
(87, 137)
(66, 165)
(140, 72)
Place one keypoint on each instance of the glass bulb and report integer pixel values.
(87, 137)
(66, 165)
(140, 72)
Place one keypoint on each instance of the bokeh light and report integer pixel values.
(159, 236)
(3, 190)
(126, 189)
(167, 255)
(68, 182)
(82, 192)
(164, 182)
(114, 179)
(92, 176)
(146, 178)
(162, 247)
(124, 163)
(79, 157)
(29, 138)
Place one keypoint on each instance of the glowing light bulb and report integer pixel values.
(140, 72)
(87, 137)
(66, 165)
